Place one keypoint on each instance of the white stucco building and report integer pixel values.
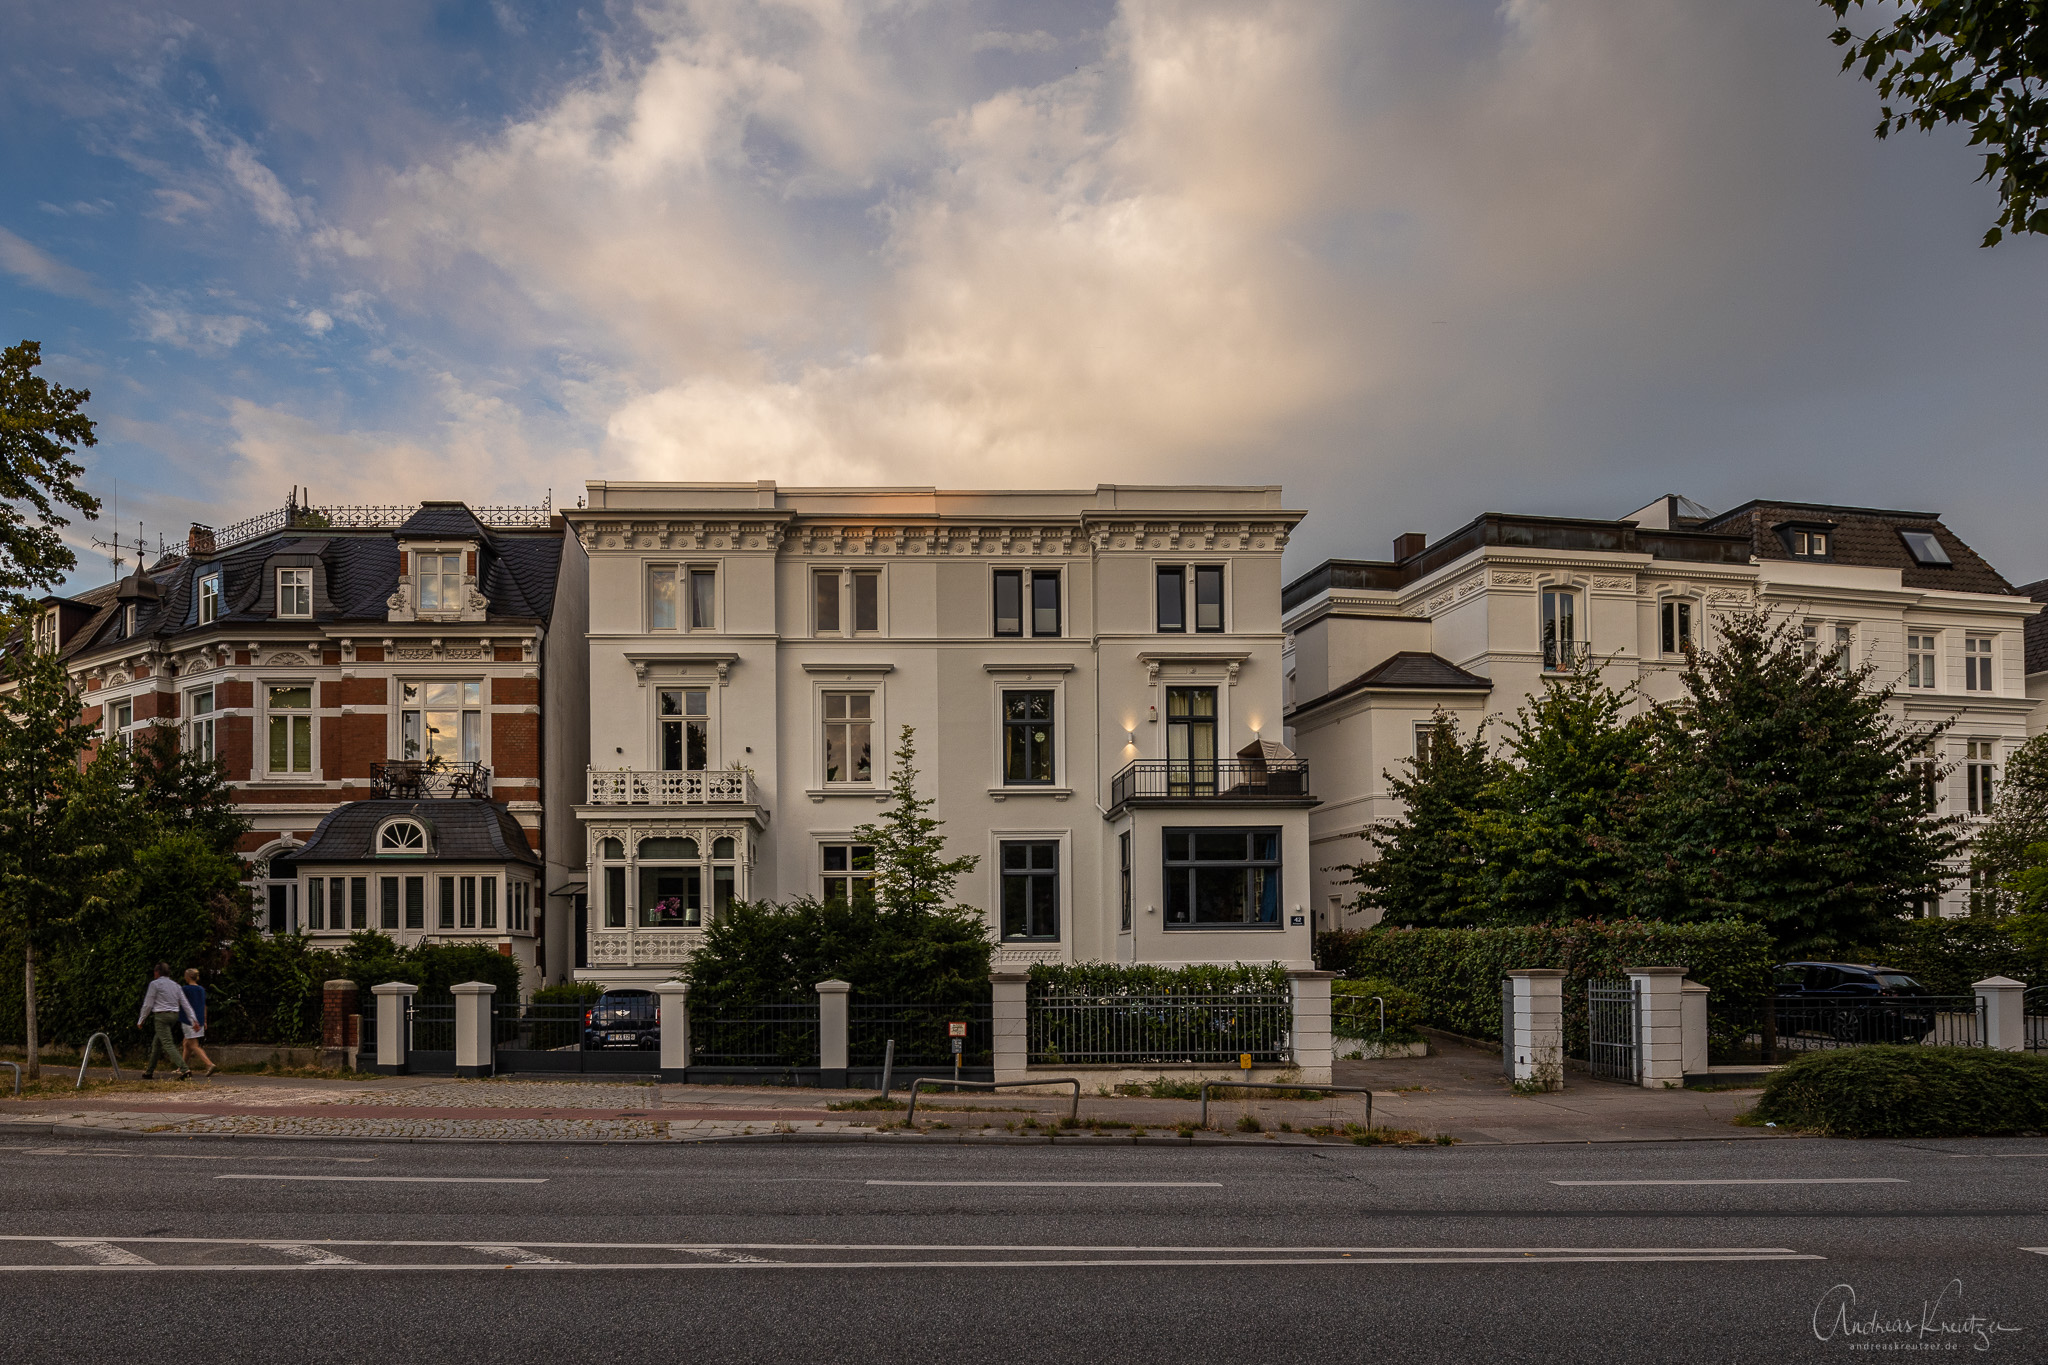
(1473, 622)
(1094, 677)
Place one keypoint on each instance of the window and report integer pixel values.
(120, 719)
(467, 904)
(1977, 663)
(402, 836)
(316, 903)
(1977, 774)
(518, 906)
(46, 631)
(1835, 640)
(1561, 646)
(199, 723)
(847, 601)
(703, 599)
(415, 902)
(1675, 632)
(1925, 773)
(1173, 599)
(825, 589)
(1191, 741)
(291, 728)
(1424, 729)
(1009, 613)
(358, 900)
(671, 897)
(867, 600)
(209, 599)
(440, 581)
(1209, 597)
(1031, 888)
(849, 722)
(1045, 602)
(662, 613)
(1014, 588)
(1222, 878)
(280, 896)
(1123, 880)
(1806, 542)
(685, 722)
(1027, 738)
(667, 585)
(448, 904)
(295, 593)
(487, 898)
(1838, 655)
(442, 720)
(724, 875)
(613, 853)
(1919, 661)
(849, 873)
(1925, 547)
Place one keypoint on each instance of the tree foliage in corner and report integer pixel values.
(1786, 795)
(1422, 864)
(41, 427)
(1977, 63)
(2003, 851)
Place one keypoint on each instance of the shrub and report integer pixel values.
(568, 993)
(1898, 1091)
(269, 991)
(1113, 978)
(1947, 955)
(1354, 1014)
(1457, 972)
(760, 952)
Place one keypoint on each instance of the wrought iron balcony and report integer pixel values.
(637, 787)
(1224, 779)
(1565, 656)
(410, 779)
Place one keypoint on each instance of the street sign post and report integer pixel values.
(957, 1031)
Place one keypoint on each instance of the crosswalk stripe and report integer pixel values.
(105, 1253)
(311, 1255)
(519, 1254)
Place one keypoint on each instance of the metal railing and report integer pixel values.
(1314, 1090)
(1562, 656)
(918, 1028)
(638, 787)
(298, 516)
(1166, 1029)
(1223, 779)
(2034, 1005)
(1770, 1029)
(1073, 1113)
(776, 1035)
(408, 779)
(530, 1027)
(430, 1023)
(1614, 1015)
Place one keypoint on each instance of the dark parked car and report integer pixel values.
(1851, 1002)
(623, 1019)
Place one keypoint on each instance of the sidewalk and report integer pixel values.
(1457, 1093)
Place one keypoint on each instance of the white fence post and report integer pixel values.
(1012, 1038)
(832, 1018)
(473, 1053)
(392, 998)
(1692, 1024)
(675, 1029)
(1314, 1049)
(1660, 1030)
(1536, 1004)
(2003, 1001)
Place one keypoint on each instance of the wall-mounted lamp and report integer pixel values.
(1153, 718)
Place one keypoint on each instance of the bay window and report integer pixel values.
(1222, 878)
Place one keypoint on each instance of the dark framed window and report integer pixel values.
(1009, 607)
(849, 873)
(1031, 888)
(447, 903)
(1222, 878)
(1560, 629)
(1208, 598)
(1978, 775)
(358, 902)
(849, 725)
(1807, 542)
(316, 903)
(671, 897)
(1977, 663)
(1027, 738)
(615, 898)
(387, 902)
(415, 902)
(1191, 741)
(867, 599)
(1173, 598)
(1045, 602)
(1123, 880)
(1015, 589)
(1675, 633)
(685, 729)
(703, 599)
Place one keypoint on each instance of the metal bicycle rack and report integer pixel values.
(86, 1060)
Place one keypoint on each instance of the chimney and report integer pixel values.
(1409, 544)
(199, 541)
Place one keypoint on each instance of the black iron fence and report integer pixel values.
(918, 1028)
(430, 1024)
(1774, 1029)
(1230, 779)
(1071, 1027)
(773, 1035)
(2035, 1005)
(519, 1027)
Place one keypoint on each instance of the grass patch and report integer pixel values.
(844, 1106)
(1909, 1090)
(1248, 1123)
(1162, 1088)
(1378, 1136)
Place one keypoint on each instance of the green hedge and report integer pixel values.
(1354, 1015)
(568, 993)
(1948, 955)
(1899, 1091)
(1113, 978)
(269, 990)
(1457, 972)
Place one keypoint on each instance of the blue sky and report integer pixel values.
(1414, 261)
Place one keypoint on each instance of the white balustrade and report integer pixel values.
(639, 787)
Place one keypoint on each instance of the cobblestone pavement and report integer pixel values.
(497, 1094)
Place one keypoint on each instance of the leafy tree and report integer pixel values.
(1551, 834)
(911, 871)
(1422, 864)
(1978, 63)
(41, 426)
(185, 791)
(2019, 820)
(1786, 795)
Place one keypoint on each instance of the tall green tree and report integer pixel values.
(2019, 821)
(1422, 864)
(41, 428)
(912, 872)
(1551, 835)
(1980, 64)
(1787, 795)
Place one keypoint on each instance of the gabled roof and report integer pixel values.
(1410, 670)
(462, 830)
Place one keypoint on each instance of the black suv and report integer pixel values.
(623, 1019)
(1851, 1002)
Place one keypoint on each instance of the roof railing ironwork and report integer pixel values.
(295, 516)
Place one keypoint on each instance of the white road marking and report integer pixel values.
(312, 1255)
(1819, 1180)
(402, 1179)
(1061, 1184)
(1527, 1258)
(980, 1247)
(519, 1254)
(735, 1257)
(2038, 1251)
(105, 1254)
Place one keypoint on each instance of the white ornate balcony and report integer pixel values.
(631, 787)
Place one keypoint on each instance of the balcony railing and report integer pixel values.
(1224, 779)
(1565, 656)
(631, 787)
(415, 778)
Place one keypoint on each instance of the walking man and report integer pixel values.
(162, 1005)
(195, 995)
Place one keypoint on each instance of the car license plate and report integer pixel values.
(622, 1037)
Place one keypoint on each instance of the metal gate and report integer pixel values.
(430, 1035)
(1507, 1028)
(555, 1037)
(1613, 1023)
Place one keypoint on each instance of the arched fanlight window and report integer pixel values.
(402, 836)
(611, 849)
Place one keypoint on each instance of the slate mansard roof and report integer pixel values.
(355, 571)
(1867, 536)
(459, 830)
(2037, 629)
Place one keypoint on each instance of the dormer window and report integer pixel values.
(46, 631)
(1808, 542)
(440, 581)
(402, 837)
(295, 593)
(1926, 550)
(209, 599)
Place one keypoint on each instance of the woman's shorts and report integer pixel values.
(195, 1030)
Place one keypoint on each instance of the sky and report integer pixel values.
(1414, 260)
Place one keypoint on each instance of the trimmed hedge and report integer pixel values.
(1457, 972)
(1354, 1015)
(1899, 1091)
(1948, 955)
(1114, 978)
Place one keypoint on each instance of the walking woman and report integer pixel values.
(162, 1004)
(195, 996)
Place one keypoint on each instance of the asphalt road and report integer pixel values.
(217, 1251)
